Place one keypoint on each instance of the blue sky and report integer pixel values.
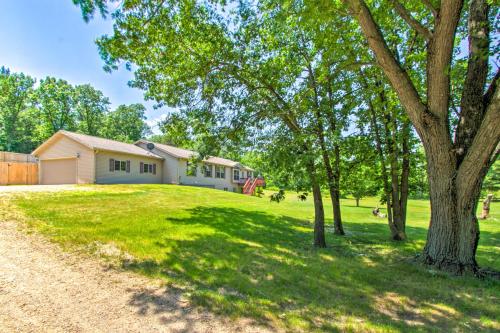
(49, 37)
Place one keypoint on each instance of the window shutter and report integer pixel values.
(111, 165)
(154, 169)
(141, 166)
(128, 166)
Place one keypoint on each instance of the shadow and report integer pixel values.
(263, 266)
(360, 206)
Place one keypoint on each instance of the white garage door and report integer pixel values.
(58, 171)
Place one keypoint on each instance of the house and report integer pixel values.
(214, 172)
(73, 158)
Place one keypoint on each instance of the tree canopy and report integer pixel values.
(301, 74)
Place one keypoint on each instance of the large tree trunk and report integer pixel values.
(456, 168)
(453, 233)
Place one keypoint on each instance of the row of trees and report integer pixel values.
(30, 112)
(297, 78)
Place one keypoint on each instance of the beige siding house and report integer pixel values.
(72, 158)
(214, 172)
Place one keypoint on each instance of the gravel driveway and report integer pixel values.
(43, 289)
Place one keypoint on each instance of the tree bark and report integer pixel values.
(453, 232)
(396, 193)
(319, 213)
(455, 169)
(332, 177)
(337, 218)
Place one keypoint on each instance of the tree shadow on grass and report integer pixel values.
(263, 266)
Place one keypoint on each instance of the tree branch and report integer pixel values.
(431, 7)
(484, 149)
(439, 54)
(491, 89)
(472, 107)
(398, 77)
(412, 22)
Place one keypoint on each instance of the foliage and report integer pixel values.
(244, 257)
(126, 123)
(491, 183)
(278, 196)
(360, 168)
(54, 100)
(302, 196)
(91, 107)
(16, 111)
(175, 130)
(29, 115)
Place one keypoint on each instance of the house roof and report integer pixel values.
(187, 154)
(96, 143)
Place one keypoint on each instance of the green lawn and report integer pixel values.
(243, 256)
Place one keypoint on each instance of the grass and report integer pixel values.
(246, 257)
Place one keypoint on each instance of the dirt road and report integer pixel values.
(43, 289)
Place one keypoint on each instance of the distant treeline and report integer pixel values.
(30, 113)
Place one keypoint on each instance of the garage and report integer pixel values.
(60, 171)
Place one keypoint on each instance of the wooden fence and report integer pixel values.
(18, 169)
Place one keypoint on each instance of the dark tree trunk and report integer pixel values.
(405, 171)
(357, 202)
(396, 193)
(331, 175)
(319, 218)
(337, 217)
(319, 213)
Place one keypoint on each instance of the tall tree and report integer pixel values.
(228, 76)
(458, 157)
(175, 130)
(16, 99)
(55, 102)
(126, 123)
(391, 132)
(91, 107)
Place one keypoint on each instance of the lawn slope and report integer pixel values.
(246, 257)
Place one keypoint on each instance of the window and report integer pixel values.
(236, 174)
(116, 165)
(190, 169)
(225, 189)
(249, 174)
(220, 172)
(207, 170)
(148, 168)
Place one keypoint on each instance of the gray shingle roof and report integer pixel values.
(97, 143)
(187, 154)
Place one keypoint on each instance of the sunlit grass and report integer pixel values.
(246, 257)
